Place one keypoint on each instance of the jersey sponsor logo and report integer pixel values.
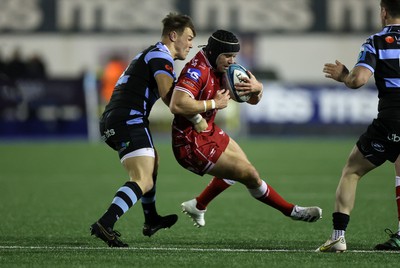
(389, 39)
(169, 67)
(392, 38)
(188, 83)
(193, 74)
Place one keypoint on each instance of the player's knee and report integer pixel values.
(255, 180)
(148, 187)
(253, 173)
(249, 173)
(251, 180)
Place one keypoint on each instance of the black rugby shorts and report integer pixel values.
(381, 141)
(122, 137)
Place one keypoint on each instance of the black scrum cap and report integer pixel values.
(219, 42)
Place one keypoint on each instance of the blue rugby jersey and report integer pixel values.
(381, 54)
(136, 90)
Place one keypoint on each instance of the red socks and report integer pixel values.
(266, 194)
(214, 188)
(273, 199)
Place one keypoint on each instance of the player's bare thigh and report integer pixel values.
(357, 164)
(140, 170)
(233, 164)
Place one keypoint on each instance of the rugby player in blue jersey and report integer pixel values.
(379, 56)
(124, 126)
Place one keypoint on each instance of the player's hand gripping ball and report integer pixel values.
(234, 74)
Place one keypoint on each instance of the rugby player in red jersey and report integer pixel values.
(202, 147)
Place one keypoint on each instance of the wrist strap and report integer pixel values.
(212, 104)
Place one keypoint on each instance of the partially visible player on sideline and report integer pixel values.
(209, 150)
(111, 73)
(380, 56)
(124, 126)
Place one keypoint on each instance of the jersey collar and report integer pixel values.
(160, 44)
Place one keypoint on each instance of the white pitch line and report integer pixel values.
(179, 249)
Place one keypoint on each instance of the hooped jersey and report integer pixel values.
(136, 90)
(381, 55)
(201, 82)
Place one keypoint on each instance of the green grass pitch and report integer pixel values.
(51, 192)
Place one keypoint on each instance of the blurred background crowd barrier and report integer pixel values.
(59, 59)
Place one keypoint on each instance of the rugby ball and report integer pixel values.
(234, 74)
